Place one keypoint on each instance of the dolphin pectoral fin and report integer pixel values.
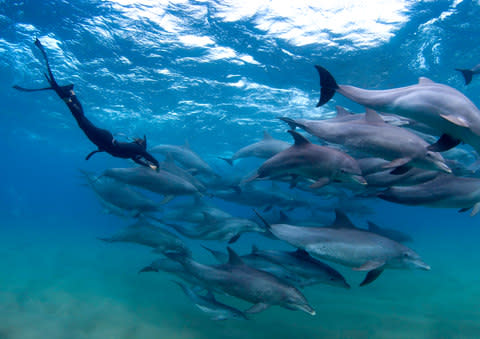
(167, 199)
(267, 208)
(257, 308)
(401, 170)
(371, 276)
(475, 209)
(294, 182)
(228, 160)
(234, 238)
(443, 144)
(291, 123)
(370, 265)
(456, 120)
(320, 183)
(92, 153)
(463, 210)
(328, 85)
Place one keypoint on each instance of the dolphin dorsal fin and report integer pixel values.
(233, 258)
(210, 295)
(342, 112)
(372, 227)
(284, 219)
(300, 140)
(254, 248)
(425, 81)
(267, 136)
(301, 253)
(341, 220)
(208, 218)
(373, 116)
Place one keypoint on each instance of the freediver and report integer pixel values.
(102, 138)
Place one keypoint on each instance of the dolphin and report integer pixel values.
(347, 245)
(304, 159)
(119, 196)
(469, 73)
(186, 157)
(439, 106)
(262, 264)
(373, 136)
(161, 182)
(169, 165)
(445, 191)
(144, 233)
(208, 304)
(253, 195)
(224, 229)
(302, 264)
(193, 212)
(237, 279)
(264, 149)
(390, 233)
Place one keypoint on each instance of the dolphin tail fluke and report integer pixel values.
(371, 276)
(228, 160)
(328, 85)
(467, 74)
(443, 144)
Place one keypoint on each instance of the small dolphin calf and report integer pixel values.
(304, 159)
(173, 267)
(345, 244)
(265, 148)
(144, 233)
(211, 306)
(469, 73)
(161, 182)
(186, 157)
(445, 191)
(439, 106)
(237, 279)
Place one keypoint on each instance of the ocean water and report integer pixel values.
(215, 73)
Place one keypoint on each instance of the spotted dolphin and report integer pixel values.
(439, 106)
(348, 245)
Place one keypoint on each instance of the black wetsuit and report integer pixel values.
(103, 139)
(136, 150)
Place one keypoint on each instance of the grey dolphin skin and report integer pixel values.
(224, 229)
(237, 279)
(208, 304)
(169, 165)
(186, 157)
(302, 263)
(116, 194)
(438, 106)
(445, 191)
(373, 136)
(264, 149)
(469, 73)
(161, 182)
(304, 159)
(144, 233)
(347, 245)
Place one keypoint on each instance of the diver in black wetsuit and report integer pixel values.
(103, 139)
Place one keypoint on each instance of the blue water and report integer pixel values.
(215, 73)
